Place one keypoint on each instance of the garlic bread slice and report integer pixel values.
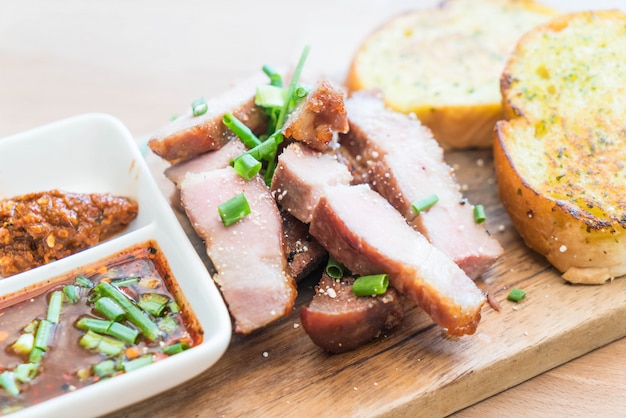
(444, 64)
(560, 159)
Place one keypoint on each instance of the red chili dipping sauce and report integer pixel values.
(105, 319)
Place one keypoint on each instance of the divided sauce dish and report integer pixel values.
(95, 153)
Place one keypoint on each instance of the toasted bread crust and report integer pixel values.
(443, 64)
(560, 158)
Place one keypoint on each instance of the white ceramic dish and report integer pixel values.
(96, 153)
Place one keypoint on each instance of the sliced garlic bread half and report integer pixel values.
(561, 158)
(444, 64)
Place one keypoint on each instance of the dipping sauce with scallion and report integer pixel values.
(109, 318)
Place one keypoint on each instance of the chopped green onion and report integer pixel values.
(275, 78)
(300, 93)
(7, 381)
(109, 309)
(247, 166)
(82, 281)
(133, 313)
(153, 303)
(241, 130)
(90, 340)
(72, 293)
(370, 285)
(269, 96)
(334, 268)
(129, 281)
(123, 332)
(168, 325)
(516, 295)
(424, 203)
(36, 355)
(479, 214)
(138, 363)
(54, 306)
(175, 348)
(25, 372)
(31, 327)
(24, 344)
(110, 346)
(173, 307)
(266, 150)
(104, 368)
(114, 329)
(42, 335)
(199, 107)
(234, 209)
(292, 87)
(95, 325)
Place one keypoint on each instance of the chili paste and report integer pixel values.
(41, 227)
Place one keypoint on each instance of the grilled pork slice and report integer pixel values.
(338, 321)
(360, 229)
(405, 164)
(248, 255)
(205, 162)
(559, 160)
(301, 177)
(318, 117)
(189, 135)
(303, 252)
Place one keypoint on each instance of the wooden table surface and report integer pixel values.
(143, 61)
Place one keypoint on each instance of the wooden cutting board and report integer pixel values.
(415, 369)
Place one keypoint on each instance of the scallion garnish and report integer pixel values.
(104, 368)
(133, 313)
(334, 268)
(110, 309)
(275, 78)
(42, 335)
(110, 346)
(199, 106)
(516, 295)
(54, 306)
(241, 130)
(175, 348)
(269, 96)
(234, 209)
(247, 166)
(24, 344)
(82, 281)
(282, 117)
(167, 325)
(7, 381)
(36, 355)
(479, 214)
(424, 203)
(138, 363)
(25, 372)
(153, 303)
(72, 293)
(370, 285)
(90, 340)
(128, 281)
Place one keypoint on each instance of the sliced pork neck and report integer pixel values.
(360, 229)
(338, 321)
(318, 117)
(405, 163)
(248, 255)
(189, 135)
(205, 162)
(301, 177)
